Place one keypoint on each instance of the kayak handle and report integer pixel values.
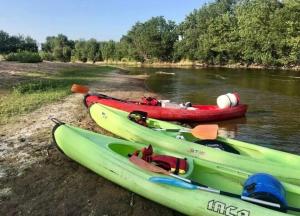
(56, 121)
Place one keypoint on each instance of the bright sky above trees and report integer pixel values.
(76, 19)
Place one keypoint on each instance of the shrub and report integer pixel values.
(40, 86)
(11, 57)
(24, 57)
(47, 56)
(125, 60)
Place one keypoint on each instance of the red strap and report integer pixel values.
(176, 165)
(149, 101)
(147, 154)
(171, 163)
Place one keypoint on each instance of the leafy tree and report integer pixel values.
(108, 50)
(4, 38)
(92, 49)
(121, 51)
(198, 27)
(59, 47)
(286, 31)
(221, 32)
(79, 52)
(258, 39)
(28, 44)
(154, 38)
(220, 43)
(252, 31)
(126, 50)
(12, 44)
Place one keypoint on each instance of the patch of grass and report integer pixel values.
(31, 94)
(40, 86)
(15, 104)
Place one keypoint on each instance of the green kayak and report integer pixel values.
(242, 155)
(108, 157)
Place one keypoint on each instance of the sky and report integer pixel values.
(84, 19)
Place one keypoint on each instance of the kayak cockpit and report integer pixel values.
(127, 150)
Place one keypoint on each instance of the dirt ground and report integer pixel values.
(36, 179)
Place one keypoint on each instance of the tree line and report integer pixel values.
(222, 32)
(12, 44)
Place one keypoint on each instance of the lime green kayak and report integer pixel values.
(108, 157)
(250, 158)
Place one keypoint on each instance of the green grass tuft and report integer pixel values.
(40, 86)
(15, 104)
(34, 92)
(24, 57)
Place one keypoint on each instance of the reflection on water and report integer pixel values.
(230, 128)
(273, 97)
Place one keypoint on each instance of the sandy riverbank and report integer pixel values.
(36, 179)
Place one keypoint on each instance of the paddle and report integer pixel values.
(76, 88)
(206, 132)
(182, 184)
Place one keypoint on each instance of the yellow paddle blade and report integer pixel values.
(206, 132)
(76, 88)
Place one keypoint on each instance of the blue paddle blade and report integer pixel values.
(173, 182)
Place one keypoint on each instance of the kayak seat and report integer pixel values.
(218, 145)
(176, 165)
(126, 150)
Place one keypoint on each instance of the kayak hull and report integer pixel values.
(203, 113)
(107, 157)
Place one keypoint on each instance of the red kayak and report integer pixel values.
(197, 113)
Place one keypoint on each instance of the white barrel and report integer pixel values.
(228, 100)
(164, 102)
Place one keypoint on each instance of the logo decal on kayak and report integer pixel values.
(104, 115)
(196, 152)
(227, 210)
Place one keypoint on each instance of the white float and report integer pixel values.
(228, 100)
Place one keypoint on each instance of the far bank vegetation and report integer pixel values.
(263, 32)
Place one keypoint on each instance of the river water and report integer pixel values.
(273, 96)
